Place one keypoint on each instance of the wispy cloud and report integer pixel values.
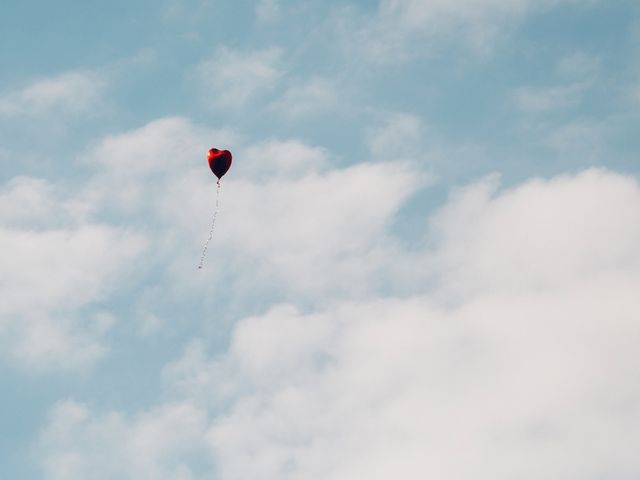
(400, 134)
(281, 159)
(578, 65)
(546, 99)
(579, 137)
(577, 73)
(231, 78)
(402, 29)
(69, 93)
(267, 10)
(315, 96)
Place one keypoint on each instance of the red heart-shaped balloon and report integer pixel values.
(219, 161)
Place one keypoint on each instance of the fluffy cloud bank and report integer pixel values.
(519, 361)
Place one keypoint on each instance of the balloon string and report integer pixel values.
(213, 222)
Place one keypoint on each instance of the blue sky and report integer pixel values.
(425, 263)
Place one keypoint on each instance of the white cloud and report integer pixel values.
(232, 78)
(54, 267)
(74, 257)
(70, 93)
(157, 444)
(535, 352)
(25, 199)
(51, 275)
(520, 364)
(542, 235)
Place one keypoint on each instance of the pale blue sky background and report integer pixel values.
(413, 180)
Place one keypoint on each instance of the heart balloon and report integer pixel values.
(219, 161)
